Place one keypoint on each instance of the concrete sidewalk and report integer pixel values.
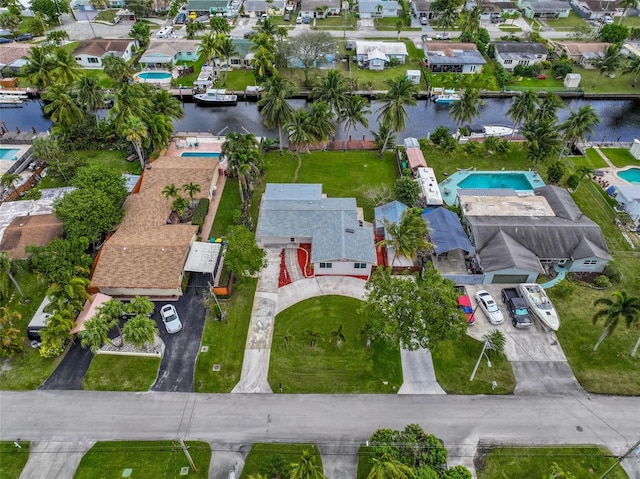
(54, 459)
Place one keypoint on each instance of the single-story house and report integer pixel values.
(25, 231)
(257, 8)
(422, 8)
(374, 55)
(597, 9)
(628, 198)
(10, 52)
(162, 52)
(492, 11)
(90, 53)
(227, 8)
(582, 53)
(87, 5)
(378, 9)
(515, 236)
(511, 54)
(552, 9)
(446, 232)
(146, 255)
(320, 8)
(341, 242)
(444, 57)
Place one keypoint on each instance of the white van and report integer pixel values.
(165, 32)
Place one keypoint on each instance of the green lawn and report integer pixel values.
(528, 462)
(593, 160)
(105, 81)
(48, 182)
(454, 362)
(237, 80)
(121, 373)
(148, 459)
(342, 174)
(262, 454)
(13, 459)
(326, 368)
(629, 21)
(106, 15)
(26, 370)
(229, 208)
(571, 22)
(110, 159)
(527, 83)
(335, 22)
(226, 342)
(187, 80)
(620, 157)
(510, 28)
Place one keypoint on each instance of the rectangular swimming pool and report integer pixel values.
(514, 181)
(9, 153)
(200, 154)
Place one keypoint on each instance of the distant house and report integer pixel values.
(90, 53)
(444, 57)
(511, 54)
(162, 52)
(492, 11)
(320, 8)
(582, 53)
(226, 8)
(87, 5)
(551, 9)
(25, 231)
(515, 236)
(597, 9)
(243, 55)
(422, 8)
(341, 242)
(628, 198)
(374, 55)
(378, 9)
(257, 8)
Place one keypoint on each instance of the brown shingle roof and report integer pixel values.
(145, 251)
(24, 231)
(576, 48)
(97, 47)
(449, 49)
(10, 52)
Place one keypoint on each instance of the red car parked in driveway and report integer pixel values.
(464, 303)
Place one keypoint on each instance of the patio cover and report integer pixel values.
(203, 257)
(446, 231)
(89, 311)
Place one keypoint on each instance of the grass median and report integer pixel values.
(121, 373)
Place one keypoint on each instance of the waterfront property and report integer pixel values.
(523, 182)
(632, 175)
(90, 53)
(374, 55)
(163, 52)
(628, 198)
(445, 57)
(294, 214)
(161, 78)
(12, 155)
(512, 54)
(582, 53)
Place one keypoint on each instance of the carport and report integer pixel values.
(446, 231)
(204, 258)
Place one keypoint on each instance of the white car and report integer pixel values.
(607, 20)
(443, 36)
(489, 306)
(170, 319)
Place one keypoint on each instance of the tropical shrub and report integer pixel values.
(602, 282)
(200, 212)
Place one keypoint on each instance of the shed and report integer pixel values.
(446, 231)
(572, 80)
(414, 76)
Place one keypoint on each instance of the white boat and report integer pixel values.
(490, 130)
(216, 97)
(539, 304)
(445, 97)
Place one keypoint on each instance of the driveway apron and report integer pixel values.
(70, 372)
(54, 459)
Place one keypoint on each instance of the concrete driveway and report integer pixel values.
(178, 363)
(538, 361)
(54, 459)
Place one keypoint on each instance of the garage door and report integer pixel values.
(510, 278)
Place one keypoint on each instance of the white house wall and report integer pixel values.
(583, 265)
(339, 268)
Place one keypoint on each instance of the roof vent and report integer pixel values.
(350, 230)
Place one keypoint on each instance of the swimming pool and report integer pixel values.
(9, 153)
(632, 175)
(200, 154)
(520, 181)
(154, 75)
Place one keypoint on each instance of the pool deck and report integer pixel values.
(6, 164)
(449, 186)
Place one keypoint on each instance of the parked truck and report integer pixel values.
(520, 315)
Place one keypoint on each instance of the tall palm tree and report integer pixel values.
(134, 130)
(620, 306)
(583, 172)
(193, 28)
(627, 4)
(542, 139)
(523, 108)
(393, 113)
(39, 67)
(338, 336)
(269, 27)
(355, 113)
(131, 100)
(89, 94)
(386, 467)
(219, 25)
(62, 107)
(142, 33)
(159, 132)
(225, 49)
(548, 109)
(448, 17)
(306, 468)
(273, 105)
(407, 237)
(65, 67)
(209, 46)
(333, 89)
(611, 61)
(321, 125)
(299, 130)
(191, 189)
(140, 330)
(9, 179)
(166, 104)
(579, 124)
(466, 109)
(633, 68)
(471, 21)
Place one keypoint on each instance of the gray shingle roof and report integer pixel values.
(520, 49)
(503, 252)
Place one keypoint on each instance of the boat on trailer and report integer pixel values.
(540, 304)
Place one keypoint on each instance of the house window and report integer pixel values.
(508, 62)
(93, 60)
(360, 265)
(293, 240)
(590, 261)
(326, 265)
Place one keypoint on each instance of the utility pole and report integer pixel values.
(186, 453)
(631, 450)
(487, 344)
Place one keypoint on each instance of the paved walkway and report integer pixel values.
(54, 459)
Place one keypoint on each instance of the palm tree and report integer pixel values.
(523, 108)
(226, 49)
(219, 25)
(191, 189)
(110, 313)
(619, 306)
(71, 295)
(10, 337)
(95, 333)
(320, 121)
(548, 109)
(633, 67)
(62, 107)
(89, 94)
(57, 331)
(393, 113)
(193, 28)
(407, 237)
(180, 205)
(448, 17)
(131, 100)
(466, 109)
(39, 67)
(142, 33)
(268, 26)
(140, 305)
(583, 172)
(299, 131)
(65, 67)
(140, 330)
(274, 107)
(134, 130)
(306, 468)
(542, 139)
(579, 124)
(9, 179)
(386, 467)
(471, 21)
(116, 68)
(159, 132)
(627, 4)
(338, 335)
(57, 37)
(495, 341)
(355, 112)
(610, 62)
(209, 46)
(367, 331)
(170, 191)
(313, 338)
(166, 104)
(334, 90)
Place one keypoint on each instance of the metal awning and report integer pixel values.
(203, 257)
